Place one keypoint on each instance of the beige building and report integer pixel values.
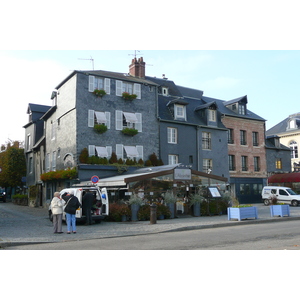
(289, 133)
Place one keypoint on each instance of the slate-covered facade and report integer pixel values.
(178, 124)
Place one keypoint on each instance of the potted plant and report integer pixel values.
(99, 93)
(242, 212)
(130, 131)
(144, 213)
(128, 96)
(170, 200)
(195, 201)
(100, 128)
(278, 209)
(124, 212)
(135, 202)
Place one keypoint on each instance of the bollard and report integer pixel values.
(152, 214)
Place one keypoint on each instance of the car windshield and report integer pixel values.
(291, 192)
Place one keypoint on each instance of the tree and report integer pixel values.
(13, 165)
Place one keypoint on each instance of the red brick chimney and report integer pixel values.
(137, 68)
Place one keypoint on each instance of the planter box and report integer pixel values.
(242, 213)
(280, 210)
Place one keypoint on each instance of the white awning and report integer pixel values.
(100, 116)
(102, 151)
(130, 118)
(131, 151)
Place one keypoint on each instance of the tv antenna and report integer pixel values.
(91, 59)
(135, 53)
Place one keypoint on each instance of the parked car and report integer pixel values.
(98, 213)
(2, 195)
(283, 194)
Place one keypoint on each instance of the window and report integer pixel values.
(278, 163)
(179, 112)
(212, 115)
(54, 161)
(132, 152)
(294, 148)
(242, 109)
(243, 136)
(28, 142)
(255, 138)
(230, 136)
(292, 124)
(173, 159)
(128, 120)
(47, 162)
(100, 151)
(30, 165)
(191, 159)
(98, 83)
(53, 130)
(256, 163)
(244, 163)
(206, 140)
(165, 91)
(172, 135)
(128, 87)
(97, 117)
(207, 166)
(231, 159)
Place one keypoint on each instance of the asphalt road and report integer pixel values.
(268, 236)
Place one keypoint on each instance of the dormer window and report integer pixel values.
(292, 124)
(242, 109)
(212, 115)
(179, 112)
(165, 91)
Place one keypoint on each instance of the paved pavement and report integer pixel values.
(25, 225)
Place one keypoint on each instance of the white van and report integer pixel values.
(98, 213)
(284, 194)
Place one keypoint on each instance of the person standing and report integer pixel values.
(57, 205)
(72, 205)
(87, 204)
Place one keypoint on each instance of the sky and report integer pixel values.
(227, 49)
(269, 78)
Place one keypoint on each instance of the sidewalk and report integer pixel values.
(23, 225)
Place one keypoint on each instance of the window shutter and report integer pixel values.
(91, 83)
(140, 150)
(92, 150)
(107, 115)
(139, 125)
(91, 118)
(137, 90)
(107, 85)
(119, 151)
(119, 120)
(119, 88)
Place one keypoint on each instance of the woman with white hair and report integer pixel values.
(57, 205)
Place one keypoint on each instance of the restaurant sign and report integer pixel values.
(182, 174)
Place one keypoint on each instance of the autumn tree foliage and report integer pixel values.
(13, 166)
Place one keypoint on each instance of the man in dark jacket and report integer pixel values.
(87, 204)
(72, 205)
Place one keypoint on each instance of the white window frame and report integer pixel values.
(173, 159)
(121, 153)
(104, 86)
(54, 161)
(206, 140)
(28, 141)
(92, 150)
(179, 112)
(47, 162)
(172, 135)
(122, 87)
(92, 118)
(207, 165)
(212, 115)
(120, 118)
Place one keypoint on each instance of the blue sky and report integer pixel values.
(270, 79)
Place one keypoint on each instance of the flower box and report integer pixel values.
(242, 213)
(280, 210)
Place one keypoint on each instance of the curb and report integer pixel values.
(4, 245)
